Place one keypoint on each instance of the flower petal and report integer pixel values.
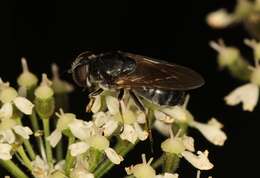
(188, 142)
(142, 134)
(162, 127)
(40, 168)
(219, 19)
(54, 138)
(129, 133)
(97, 104)
(25, 132)
(113, 156)
(81, 129)
(5, 151)
(200, 162)
(24, 105)
(212, 133)
(110, 127)
(247, 94)
(6, 111)
(78, 148)
(112, 104)
(163, 117)
(7, 136)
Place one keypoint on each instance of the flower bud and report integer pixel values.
(8, 94)
(26, 78)
(44, 101)
(173, 145)
(219, 19)
(99, 142)
(59, 86)
(142, 170)
(227, 55)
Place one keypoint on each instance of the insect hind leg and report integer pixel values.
(140, 105)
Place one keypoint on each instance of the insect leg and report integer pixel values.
(120, 99)
(91, 97)
(140, 105)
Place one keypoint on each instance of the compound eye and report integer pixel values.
(79, 75)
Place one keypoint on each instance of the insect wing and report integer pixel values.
(152, 73)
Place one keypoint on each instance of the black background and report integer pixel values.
(57, 31)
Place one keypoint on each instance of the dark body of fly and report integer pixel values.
(158, 81)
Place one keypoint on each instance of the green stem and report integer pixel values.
(26, 160)
(35, 126)
(122, 148)
(171, 162)
(27, 144)
(29, 149)
(240, 69)
(158, 162)
(69, 159)
(46, 128)
(59, 151)
(11, 167)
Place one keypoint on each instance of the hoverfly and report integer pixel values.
(143, 77)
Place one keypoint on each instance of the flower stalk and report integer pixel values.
(11, 167)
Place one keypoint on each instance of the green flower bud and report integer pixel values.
(26, 78)
(142, 170)
(7, 94)
(99, 142)
(173, 145)
(44, 101)
(227, 55)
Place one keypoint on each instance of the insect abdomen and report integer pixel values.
(162, 97)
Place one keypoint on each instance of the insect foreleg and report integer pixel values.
(92, 99)
(140, 105)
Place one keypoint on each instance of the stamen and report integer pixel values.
(144, 158)
(198, 174)
(24, 65)
(55, 71)
(150, 161)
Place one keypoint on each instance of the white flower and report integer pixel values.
(247, 94)
(64, 119)
(5, 151)
(82, 129)
(40, 168)
(9, 97)
(184, 146)
(8, 129)
(199, 161)
(106, 122)
(78, 148)
(142, 170)
(167, 175)
(98, 142)
(219, 19)
(80, 169)
(211, 131)
(113, 156)
(131, 120)
(25, 132)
